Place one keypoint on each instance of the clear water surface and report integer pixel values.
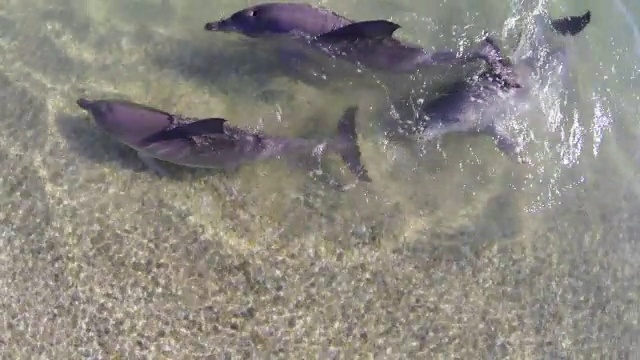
(458, 253)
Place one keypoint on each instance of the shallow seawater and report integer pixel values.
(457, 251)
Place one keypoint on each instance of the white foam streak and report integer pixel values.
(601, 121)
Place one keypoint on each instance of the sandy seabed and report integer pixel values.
(467, 257)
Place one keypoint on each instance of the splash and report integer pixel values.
(601, 121)
(562, 138)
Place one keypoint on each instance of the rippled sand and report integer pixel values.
(469, 256)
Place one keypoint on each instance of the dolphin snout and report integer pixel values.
(222, 25)
(211, 26)
(84, 103)
(216, 26)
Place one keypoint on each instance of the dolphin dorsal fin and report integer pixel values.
(371, 29)
(200, 127)
(204, 127)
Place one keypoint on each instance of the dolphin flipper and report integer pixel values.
(372, 29)
(571, 25)
(153, 164)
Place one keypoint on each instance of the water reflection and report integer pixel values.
(451, 250)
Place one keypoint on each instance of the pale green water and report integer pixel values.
(470, 256)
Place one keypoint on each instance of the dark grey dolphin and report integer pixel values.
(369, 43)
(479, 105)
(296, 19)
(211, 142)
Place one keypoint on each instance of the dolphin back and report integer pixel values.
(196, 128)
(302, 18)
(371, 29)
(280, 18)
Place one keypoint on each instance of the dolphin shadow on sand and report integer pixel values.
(244, 64)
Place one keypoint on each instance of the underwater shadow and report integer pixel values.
(499, 223)
(235, 65)
(92, 144)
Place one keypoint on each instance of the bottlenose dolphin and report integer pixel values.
(368, 43)
(296, 19)
(211, 142)
(480, 104)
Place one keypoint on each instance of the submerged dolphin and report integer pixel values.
(480, 104)
(211, 142)
(369, 43)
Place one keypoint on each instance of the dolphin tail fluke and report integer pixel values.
(571, 25)
(348, 147)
